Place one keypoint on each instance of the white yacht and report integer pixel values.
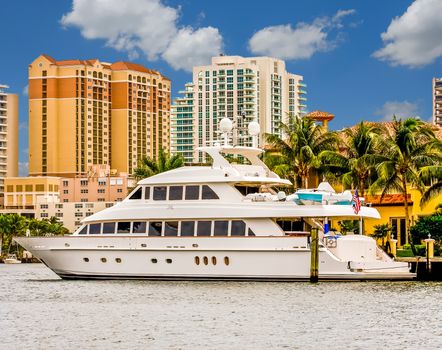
(223, 221)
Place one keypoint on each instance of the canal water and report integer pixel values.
(40, 311)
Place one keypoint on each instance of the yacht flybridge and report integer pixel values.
(223, 221)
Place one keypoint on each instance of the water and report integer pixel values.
(40, 311)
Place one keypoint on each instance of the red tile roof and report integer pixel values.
(320, 115)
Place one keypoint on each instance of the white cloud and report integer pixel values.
(414, 39)
(301, 42)
(25, 91)
(143, 26)
(189, 48)
(401, 109)
(22, 168)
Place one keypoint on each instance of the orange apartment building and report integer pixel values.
(84, 112)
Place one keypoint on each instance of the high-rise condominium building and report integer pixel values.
(437, 101)
(242, 89)
(84, 112)
(8, 137)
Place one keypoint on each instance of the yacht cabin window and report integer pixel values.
(123, 227)
(155, 228)
(159, 193)
(94, 229)
(171, 228)
(175, 193)
(147, 193)
(187, 228)
(221, 228)
(108, 227)
(208, 193)
(238, 228)
(139, 227)
(204, 228)
(192, 192)
(137, 194)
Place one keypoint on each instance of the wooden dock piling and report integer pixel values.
(314, 262)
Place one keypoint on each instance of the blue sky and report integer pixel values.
(360, 59)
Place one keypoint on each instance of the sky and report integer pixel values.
(361, 60)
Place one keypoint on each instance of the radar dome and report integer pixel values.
(254, 128)
(225, 125)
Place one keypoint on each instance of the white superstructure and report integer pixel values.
(222, 221)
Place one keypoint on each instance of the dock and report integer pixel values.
(427, 269)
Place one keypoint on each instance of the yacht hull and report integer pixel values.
(199, 258)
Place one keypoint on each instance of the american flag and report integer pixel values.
(356, 203)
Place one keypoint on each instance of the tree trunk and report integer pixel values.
(407, 217)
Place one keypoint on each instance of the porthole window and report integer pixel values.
(154, 261)
(206, 260)
(118, 260)
(86, 259)
(213, 260)
(103, 260)
(197, 260)
(169, 261)
(226, 260)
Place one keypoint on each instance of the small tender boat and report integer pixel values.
(12, 259)
(324, 194)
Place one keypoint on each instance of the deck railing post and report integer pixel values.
(314, 261)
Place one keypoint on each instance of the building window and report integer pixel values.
(39, 188)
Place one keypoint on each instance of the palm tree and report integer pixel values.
(148, 167)
(11, 225)
(429, 174)
(297, 153)
(410, 146)
(358, 157)
(54, 227)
